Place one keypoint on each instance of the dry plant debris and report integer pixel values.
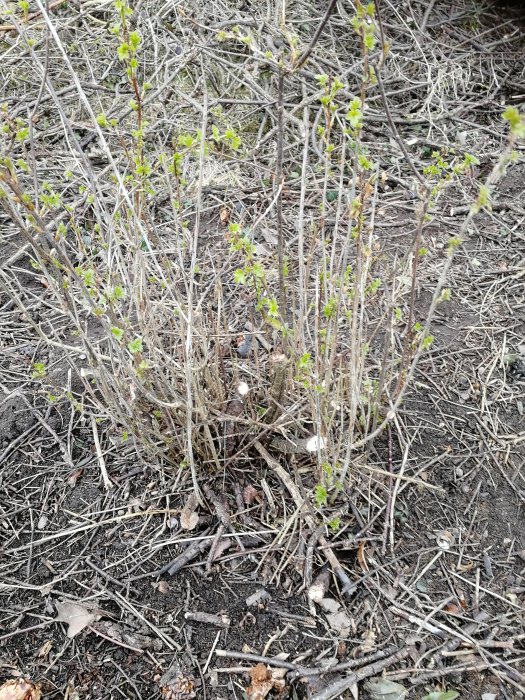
(19, 689)
(257, 398)
(76, 616)
(264, 682)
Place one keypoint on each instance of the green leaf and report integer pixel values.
(470, 159)
(321, 495)
(304, 361)
(239, 276)
(123, 52)
(102, 120)
(22, 134)
(134, 40)
(364, 162)
(484, 196)
(334, 524)
(135, 346)
(453, 244)
(272, 307)
(118, 333)
(186, 140)
(442, 695)
(369, 38)
(355, 113)
(119, 293)
(39, 370)
(516, 121)
(427, 342)
(257, 270)
(89, 277)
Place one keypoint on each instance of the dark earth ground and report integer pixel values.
(68, 539)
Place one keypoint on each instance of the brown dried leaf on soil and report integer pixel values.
(74, 477)
(264, 680)
(338, 619)
(452, 609)
(44, 650)
(250, 495)
(224, 216)
(20, 689)
(188, 517)
(76, 616)
(368, 644)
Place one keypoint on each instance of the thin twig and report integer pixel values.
(320, 27)
(101, 461)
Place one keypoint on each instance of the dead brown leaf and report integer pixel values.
(20, 689)
(77, 616)
(45, 649)
(264, 680)
(74, 477)
(368, 644)
(361, 557)
(452, 609)
(188, 517)
(340, 623)
(163, 587)
(250, 495)
(224, 216)
(466, 567)
(261, 683)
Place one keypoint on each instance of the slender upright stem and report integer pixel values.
(279, 184)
